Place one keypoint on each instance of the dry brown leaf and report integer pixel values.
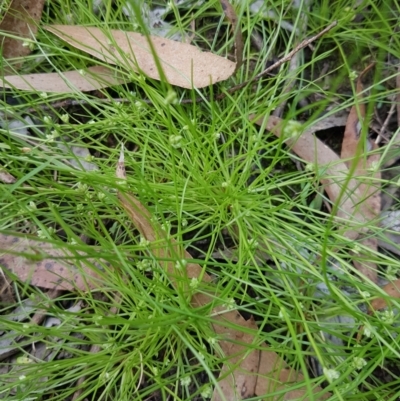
(42, 264)
(359, 164)
(392, 289)
(21, 20)
(6, 177)
(184, 65)
(92, 78)
(12, 343)
(335, 177)
(233, 19)
(239, 374)
(358, 202)
(6, 290)
(275, 375)
(229, 325)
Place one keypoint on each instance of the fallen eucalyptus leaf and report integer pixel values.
(184, 65)
(44, 265)
(92, 78)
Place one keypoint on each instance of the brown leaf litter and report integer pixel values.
(48, 266)
(363, 168)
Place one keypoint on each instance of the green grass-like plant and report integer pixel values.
(212, 179)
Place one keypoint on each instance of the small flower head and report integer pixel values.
(47, 119)
(65, 118)
(356, 249)
(373, 167)
(144, 242)
(310, 167)
(292, 129)
(358, 363)
(81, 187)
(29, 44)
(253, 243)
(206, 392)
(194, 283)
(217, 136)
(368, 330)
(32, 206)
(24, 360)
(82, 72)
(43, 95)
(353, 75)
(184, 223)
(391, 272)
(212, 340)
(180, 264)
(144, 265)
(171, 98)
(175, 141)
(225, 184)
(185, 381)
(104, 377)
(387, 316)
(166, 226)
(331, 374)
(230, 304)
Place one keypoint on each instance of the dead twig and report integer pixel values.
(277, 64)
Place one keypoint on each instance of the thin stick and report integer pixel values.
(283, 60)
